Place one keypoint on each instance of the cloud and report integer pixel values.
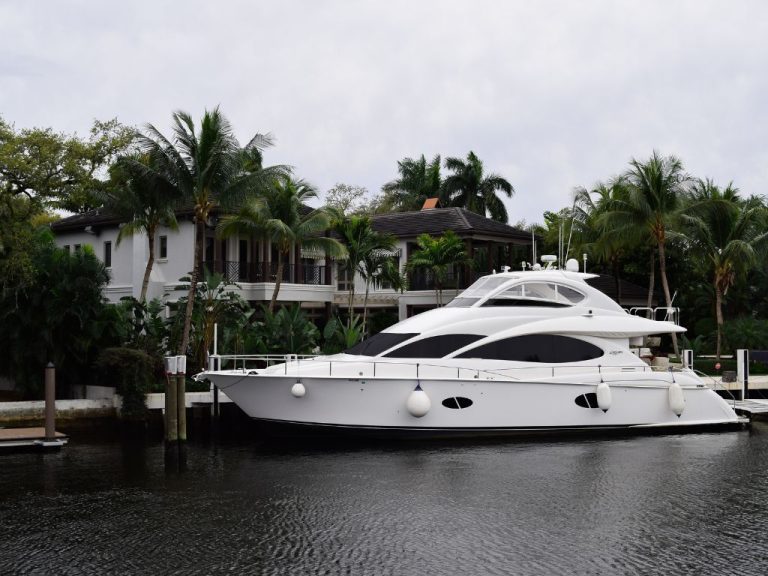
(551, 95)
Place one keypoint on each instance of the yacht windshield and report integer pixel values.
(537, 293)
(477, 291)
(377, 344)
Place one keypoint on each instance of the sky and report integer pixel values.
(549, 94)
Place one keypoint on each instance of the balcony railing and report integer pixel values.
(421, 279)
(234, 271)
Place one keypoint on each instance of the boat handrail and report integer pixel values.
(671, 313)
(291, 361)
(715, 384)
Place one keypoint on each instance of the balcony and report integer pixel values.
(422, 279)
(234, 271)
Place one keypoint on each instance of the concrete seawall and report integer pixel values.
(32, 413)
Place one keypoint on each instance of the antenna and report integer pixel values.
(570, 232)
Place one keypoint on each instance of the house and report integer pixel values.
(311, 279)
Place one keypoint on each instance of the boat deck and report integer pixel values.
(29, 438)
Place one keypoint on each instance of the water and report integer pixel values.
(688, 504)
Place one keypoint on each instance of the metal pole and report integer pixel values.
(50, 402)
(688, 359)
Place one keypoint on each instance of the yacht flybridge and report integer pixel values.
(516, 352)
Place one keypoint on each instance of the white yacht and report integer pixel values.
(517, 352)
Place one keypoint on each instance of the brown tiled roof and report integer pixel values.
(438, 220)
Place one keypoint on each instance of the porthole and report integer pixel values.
(588, 400)
(457, 402)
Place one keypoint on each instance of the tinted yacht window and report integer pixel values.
(378, 343)
(548, 348)
(434, 347)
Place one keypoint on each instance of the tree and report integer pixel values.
(347, 199)
(729, 232)
(591, 237)
(59, 316)
(469, 187)
(60, 171)
(439, 256)
(208, 169)
(418, 181)
(279, 215)
(378, 266)
(146, 200)
(651, 206)
(361, 240)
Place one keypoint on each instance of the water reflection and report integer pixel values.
(646, 505)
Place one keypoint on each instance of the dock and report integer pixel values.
(29, 439)
(755, 409)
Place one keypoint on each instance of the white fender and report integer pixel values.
(676, 399)
(418, 402)
(298, 390)
(603, 396)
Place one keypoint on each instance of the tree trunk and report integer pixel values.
(719, 315)
(199, 240)
(365, 308)
(150, 263)
(278, 280)
(665, 286)
(651, 282)
(351, 300)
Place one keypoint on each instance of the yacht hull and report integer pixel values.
(379, 406)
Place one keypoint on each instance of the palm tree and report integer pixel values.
(208, 168)
(439, 256)
(590, 235)
(468, 187)
(655, 189)
(729, 231)
(418, 181)
(361, 241)
(279, 216)
(378, 266)
(145, 199)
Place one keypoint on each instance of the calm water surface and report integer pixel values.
(689, 504)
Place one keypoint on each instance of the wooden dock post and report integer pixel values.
(50, 402)
(181, 398)
(171, 412)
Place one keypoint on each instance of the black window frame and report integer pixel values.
(108, 254)
(537, 348)
(162, 247)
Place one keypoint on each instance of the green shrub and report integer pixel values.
(131, 372)
(749, 333)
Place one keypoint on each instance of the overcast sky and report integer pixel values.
(549, 94)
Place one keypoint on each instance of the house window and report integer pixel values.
(163, 247)
(77, 248)
(108, 254)
(66, 248)
(346, 277)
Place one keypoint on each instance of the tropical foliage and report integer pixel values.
(279, 215)
(471, 188)
(418, 181)
(441, 257)
(207, 168)
(145, 201)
